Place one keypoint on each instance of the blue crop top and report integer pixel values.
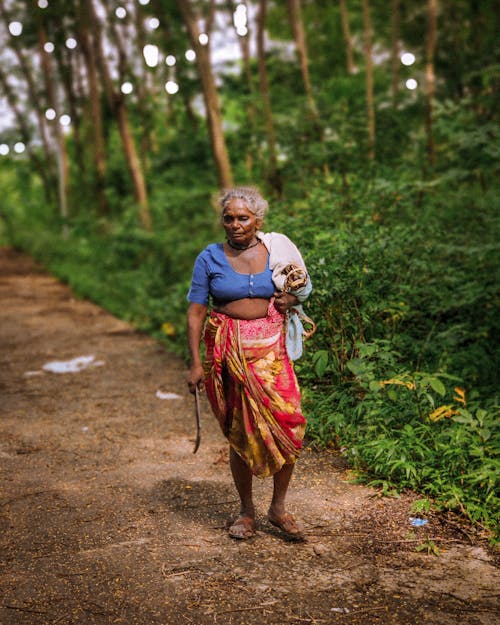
(213, 275)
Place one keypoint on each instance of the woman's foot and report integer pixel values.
(242, 528)
(288, 524)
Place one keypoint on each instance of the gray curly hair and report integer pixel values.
(256, 204)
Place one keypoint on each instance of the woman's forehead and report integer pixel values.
(237, 206)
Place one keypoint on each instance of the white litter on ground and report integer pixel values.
(75, 365)
(162, 395)
(30, 374)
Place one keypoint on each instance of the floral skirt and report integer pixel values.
(253, 390)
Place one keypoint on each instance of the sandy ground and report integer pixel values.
(106, 515)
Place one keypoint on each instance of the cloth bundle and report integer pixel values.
(290, 275)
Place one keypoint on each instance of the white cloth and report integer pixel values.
(283, 252)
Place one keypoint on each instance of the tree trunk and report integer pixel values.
(244, 42)
(65, 71)
(26, 136)
(33, 94)
(116, 101)
(430, 79)
(370, 108)
(146, 94)
(273, 174)
(395, 60)
(211, 98)
(97, 128)
(351, 68)
(62, 153)
(146, 100)
(295, 15)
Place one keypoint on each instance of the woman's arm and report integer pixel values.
(195, 319)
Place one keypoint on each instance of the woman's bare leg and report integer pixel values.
(281, 482)
(242, 477)
(277, 510)
(243, 526)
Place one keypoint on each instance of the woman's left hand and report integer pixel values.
(284, 301)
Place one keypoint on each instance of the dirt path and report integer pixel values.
(106, 515)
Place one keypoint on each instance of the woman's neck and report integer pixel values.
(241, 248)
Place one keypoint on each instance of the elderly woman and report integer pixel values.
(248, 372)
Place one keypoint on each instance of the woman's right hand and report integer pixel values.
(195, 377)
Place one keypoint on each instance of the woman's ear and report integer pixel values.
(258, 223)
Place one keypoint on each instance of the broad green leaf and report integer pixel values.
(438, 386)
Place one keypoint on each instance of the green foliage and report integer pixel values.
(407, 429)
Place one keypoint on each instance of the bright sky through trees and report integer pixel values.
(240, 20)
(15, 29)
(151, 55)
(171, 87)
(407, 58)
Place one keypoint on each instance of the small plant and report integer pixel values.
(430, 547)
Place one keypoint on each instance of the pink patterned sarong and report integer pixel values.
(253, 391)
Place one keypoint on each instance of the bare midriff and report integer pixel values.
(246, 308)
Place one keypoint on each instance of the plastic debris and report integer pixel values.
(85, 428)
(340, 610)
(30, 374)
(416, 522)
(162, 395)
(75, 365)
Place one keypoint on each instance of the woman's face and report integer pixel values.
(240, 223)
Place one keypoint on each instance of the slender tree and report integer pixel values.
(273, 175)
(65, 71)
(430, 79)
(244, 41)
(52, 96)
(344, 14)
(146, 95)
(34, 96)
(117, 103)
(210, 95)
(98, 143)
(395, 51)
(146, 89)
(370, 107)
(26, 135)
(295, 15)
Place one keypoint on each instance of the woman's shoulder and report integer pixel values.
(212, 253)
(276, 240)
(211, 250)
(273, 237)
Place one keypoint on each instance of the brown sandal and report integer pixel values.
(242, 528)
(287, 523)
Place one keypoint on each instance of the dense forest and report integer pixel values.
(371, 128)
